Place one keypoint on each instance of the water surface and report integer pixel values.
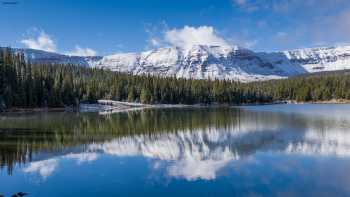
(275, 150)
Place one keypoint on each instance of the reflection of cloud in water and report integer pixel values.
(333, 142)
(192, 168)
(82, 157)
(192, 155)
(45, 168)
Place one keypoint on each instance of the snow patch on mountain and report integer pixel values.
(321, 59)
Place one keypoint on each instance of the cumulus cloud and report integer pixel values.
(42, 42)
(162, 36)
(45, 168)
(78, 51)
(189, 36)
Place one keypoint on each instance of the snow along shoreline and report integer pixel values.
(105, 107)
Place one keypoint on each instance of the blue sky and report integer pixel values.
(104, 27)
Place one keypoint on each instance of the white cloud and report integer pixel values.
(78, 51)
(42, 42)
(285, 6)
(247, 5)
(189, 36)
(162, 36)
(155, 42)
(44, 168)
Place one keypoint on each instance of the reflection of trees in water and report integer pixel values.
(21, 137)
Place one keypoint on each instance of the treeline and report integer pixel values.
(324, 86)
(25, 85)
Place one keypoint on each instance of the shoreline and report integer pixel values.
(35, 109)
(332, 101)
(109, 106)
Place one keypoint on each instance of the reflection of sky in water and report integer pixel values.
(266, 151)
(328, 111)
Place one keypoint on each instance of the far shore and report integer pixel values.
(35, 109)
(333, 101)
(110, 106)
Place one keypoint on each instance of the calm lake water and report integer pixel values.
(276, 150)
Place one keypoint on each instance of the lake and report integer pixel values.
(272, 150)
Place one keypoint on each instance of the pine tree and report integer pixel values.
(145, 95)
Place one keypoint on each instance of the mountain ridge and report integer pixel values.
(215, 62)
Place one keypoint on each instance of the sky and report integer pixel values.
(100, 27)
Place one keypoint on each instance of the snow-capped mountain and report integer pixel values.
(198, 62)
(215, 62)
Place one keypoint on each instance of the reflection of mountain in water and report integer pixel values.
(196, 143)
(34, 137)
(201, 153)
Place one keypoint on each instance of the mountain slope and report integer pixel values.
(215, 62)
(199, 62)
